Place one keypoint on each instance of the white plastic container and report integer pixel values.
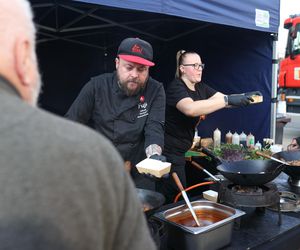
(236, 139)
(258, 145)
(250, 141)
(217, 138)
(243, 139)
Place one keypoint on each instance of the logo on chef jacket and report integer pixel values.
(142, 107)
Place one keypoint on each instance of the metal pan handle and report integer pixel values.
(211, 154)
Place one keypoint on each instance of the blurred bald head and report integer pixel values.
(18, 62)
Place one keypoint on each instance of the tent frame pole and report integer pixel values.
(274, 87)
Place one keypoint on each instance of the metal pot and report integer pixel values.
(150, 200)
(292, 171)
(217, 222)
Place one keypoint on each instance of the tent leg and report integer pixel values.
(274, 87)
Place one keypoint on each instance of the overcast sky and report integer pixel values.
(287, 7)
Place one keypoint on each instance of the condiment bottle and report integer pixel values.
(196, 140)
(243, 139)
(228, 137)
(250, 141)
(217, 138)
(257, 145)
(236, 139)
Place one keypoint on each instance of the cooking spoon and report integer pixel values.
(186, 198)
(271, 158)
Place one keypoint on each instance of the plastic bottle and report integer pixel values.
(217, 138)
(228, 137)
(243, 139)
(236, 139)
(250, 141)
(257, 145)
(196, 140)
(281, 106)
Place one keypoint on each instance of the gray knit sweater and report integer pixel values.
(62, 186)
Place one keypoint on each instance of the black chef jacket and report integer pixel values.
(131, 123)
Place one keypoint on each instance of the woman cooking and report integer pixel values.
(187, 98)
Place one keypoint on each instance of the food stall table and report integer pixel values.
(261, 231)
(280, 124)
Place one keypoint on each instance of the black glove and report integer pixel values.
(154, 178)
(158, 157)
(239, 100)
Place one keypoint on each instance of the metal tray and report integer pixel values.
(211, 236)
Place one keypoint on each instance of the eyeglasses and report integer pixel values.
(195, 65)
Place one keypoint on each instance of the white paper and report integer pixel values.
(262, 18)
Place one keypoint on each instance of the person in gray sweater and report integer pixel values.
(63, 186)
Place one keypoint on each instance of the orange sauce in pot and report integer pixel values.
(205, 217)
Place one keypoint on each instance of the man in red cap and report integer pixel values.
(127, 106)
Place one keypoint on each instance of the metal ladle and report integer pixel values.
(196, 165)
(186, 198)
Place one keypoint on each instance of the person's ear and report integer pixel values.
(181, 68)
(117, 61)
(23, 61)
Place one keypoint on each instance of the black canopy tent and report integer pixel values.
(78, 40)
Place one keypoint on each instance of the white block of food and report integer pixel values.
(257, 99)
(210, 195)
(154, 167)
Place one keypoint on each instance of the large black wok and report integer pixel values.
(250, 172)
(247, 172)
(292, 171)
(150, 200)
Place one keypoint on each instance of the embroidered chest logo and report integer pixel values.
(136, 49)
(142, 109)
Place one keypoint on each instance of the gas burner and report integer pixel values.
(289, 202)
(239, 196)
(294, 182)
(247, 190)
(258, 197)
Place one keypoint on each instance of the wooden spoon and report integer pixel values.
(271, 158)
(186, 199)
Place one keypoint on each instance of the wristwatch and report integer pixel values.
(226, 100)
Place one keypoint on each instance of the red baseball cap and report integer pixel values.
(136, 50)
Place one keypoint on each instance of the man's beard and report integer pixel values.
(126, 90)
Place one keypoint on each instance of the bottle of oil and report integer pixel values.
(228, 137)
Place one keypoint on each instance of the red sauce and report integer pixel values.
(205, 217)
